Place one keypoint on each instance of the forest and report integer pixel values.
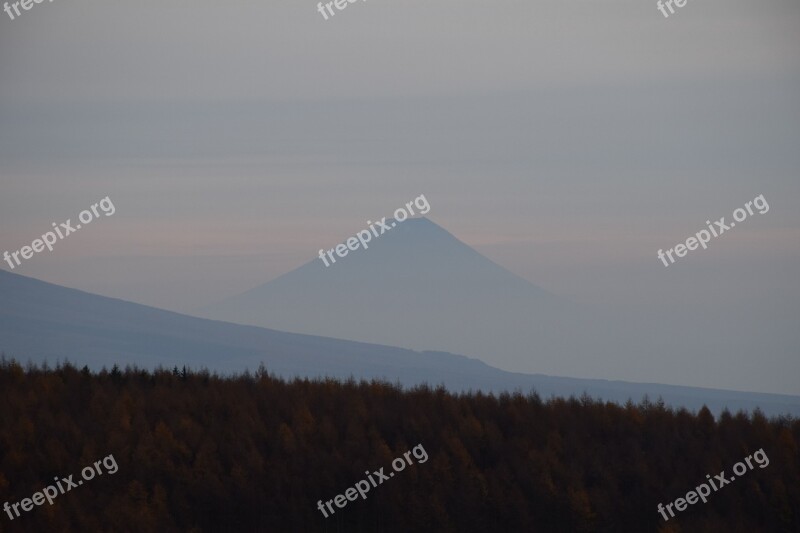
(202, 452)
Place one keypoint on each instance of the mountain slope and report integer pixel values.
(41, 321)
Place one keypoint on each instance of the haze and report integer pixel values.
(566, 141)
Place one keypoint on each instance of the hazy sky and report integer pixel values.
(566, 140)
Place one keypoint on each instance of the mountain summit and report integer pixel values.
(419, 287)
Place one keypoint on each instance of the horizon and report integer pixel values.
(744, 386)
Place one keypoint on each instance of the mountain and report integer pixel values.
(41, 321)
(419, 287)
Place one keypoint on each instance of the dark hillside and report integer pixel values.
(197, 452)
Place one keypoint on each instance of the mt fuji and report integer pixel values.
(419, 287)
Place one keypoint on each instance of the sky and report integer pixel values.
(567, 141)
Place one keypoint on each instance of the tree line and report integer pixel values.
(252, 452)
